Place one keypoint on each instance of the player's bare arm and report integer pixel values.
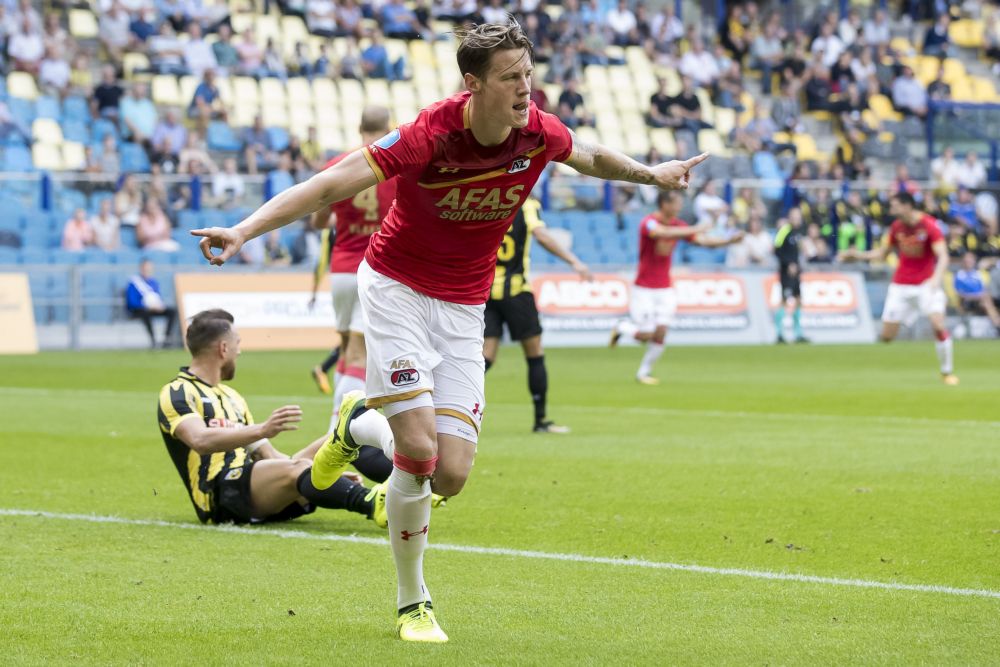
(549, 242)
(878, 254)
(667, 232)
(940, 249)
(603, 162)
(706, 241)
(204, 440)
(345, 179)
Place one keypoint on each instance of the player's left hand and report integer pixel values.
(675, 175)
(228, 238)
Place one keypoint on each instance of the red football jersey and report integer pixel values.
(913, 245)
(357, 219)
(455, 198)
(655, 255)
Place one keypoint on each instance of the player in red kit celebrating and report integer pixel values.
(464, 166)
(355, 219)
(653, 302)
(916, 287)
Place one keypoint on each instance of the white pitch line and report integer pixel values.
(520, 553)
(667, 412)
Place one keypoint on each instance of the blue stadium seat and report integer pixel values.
(60, 256)
(16, 158)
(35, 236)
(128, 239)
(133, 157)
(278, 137)
(34, 255)
(221, 137)
(9, 256)
(75, 130)
(22, 110)
(128, 258)
(68, 200)
(98, 256)
(48, 107)
(75, 108)
(103, 127)
(94, 203)
(277, 182)
(188, 219)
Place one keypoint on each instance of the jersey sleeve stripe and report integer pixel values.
(379, 174)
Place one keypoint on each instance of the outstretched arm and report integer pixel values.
(609, 164)
(549, 242)
(716, 242)
(345, 179)
(875, 254)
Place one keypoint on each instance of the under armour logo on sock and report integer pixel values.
(408, 535)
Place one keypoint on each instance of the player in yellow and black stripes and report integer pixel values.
(512, 303)
(229, 467)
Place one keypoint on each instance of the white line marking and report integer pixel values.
(520, 553)
(668, 412)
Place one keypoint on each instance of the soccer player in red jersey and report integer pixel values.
(464, 166)
(653, 302)
(355, 219)
(916, 287)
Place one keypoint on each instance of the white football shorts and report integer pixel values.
(346, 304)
(652, 307)
(905, 303)
(417, 344)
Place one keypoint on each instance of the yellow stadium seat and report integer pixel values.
(636, 140)
(324, 93)
(421, 54)
(428, 93)
(245, 90)
(805, 147)
(351, 91)
(267, 27)
(46, 131)
(73, 155)
(241, 22)
(22, 85)
(781, 138)
(186, 88)
(596, 102)
(133, 61)
(967, 33)
(47, 156)
(613, 137)
(883, 108)
(293, 30)
(712, 141)
(672, 78)
(662, 139)
(619, 77)
(300, 118)
(404, 113)
(83, 24)
(402, 92)
(397, 48)
(707, 108)
(954, 69)
(225, 86)
(165, 90)
(624, 99)
(377, 92)
(596, 80)
(983, 89)
(243, 114)
(330, 138)
(725, 120)
(272, 92)
(299, 92)
(962, 91)
(588, 135)
(350, 115)
(608, 121)
(274, 115)
(902, 46)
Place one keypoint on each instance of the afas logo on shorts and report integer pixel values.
(519, 164)
(403, 373)
(234, 474)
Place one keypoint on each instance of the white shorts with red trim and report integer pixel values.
(906, 303)
(346, 304)
(417, 344)
(652, 307)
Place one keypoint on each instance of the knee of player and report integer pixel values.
(417, 446)
(295, 469)
(448, 483)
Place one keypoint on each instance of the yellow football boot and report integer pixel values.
(419, 625)
(949, 379)
(339, 449)
(377, 496)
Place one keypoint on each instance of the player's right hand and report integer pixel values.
(229, 239)
(285, 418)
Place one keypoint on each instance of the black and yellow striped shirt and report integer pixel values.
(513, 256)
(219, 406)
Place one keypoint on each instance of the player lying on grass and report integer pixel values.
(464, 168)
(916, 287)
(232, 472)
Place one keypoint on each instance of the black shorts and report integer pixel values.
(790, 282)
(519, 313)
(230, 499)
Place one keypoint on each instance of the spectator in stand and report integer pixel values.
(904, 183)
(208, 17)
(109, 160)
(274, 63)
(275, 252)
(142, 27)
(251, 55)
(665, 27)
(322, 66)
(593, 48)
(565, 65)
(349, 17)
(54, 36)
(841, 74)
(733, 35)
(206, 104)
(767, 52)
(166, 52)
(991, 40)
(795, 67)
(312, 152)
(853, 227)
(375, 62)
(755, 249)
(399, 21)
(228, 186)
(863, 69)
(945, 170)
(138, 115)
(26, 10)
(199, 57)
(746, 203)
(850, 27)
(321, 17)
(909, 95)
(258, 151)
(153, 230)
(128, 201)
(685, 108)
(302, 63)
(818, 89)
(227, 58)
(786, 110)
(699, 65)
(195, 150)
(815, 249)
(877, 30)
(623, 25)
(168, 139)
(144, 300)
(729, 86)
(115, 31)
(828, 46)
(53, 73)
(108, 94)
(971, 291)
(659, 106)
(710, 208)
(81, 78)
(971, 172)
(571, 109)
(77, 233)
(936, 42)
(106, 227)
(26, 48)
(350, 62)
(962, 209)
(938, 90)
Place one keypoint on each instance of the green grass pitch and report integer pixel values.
(837, 462)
